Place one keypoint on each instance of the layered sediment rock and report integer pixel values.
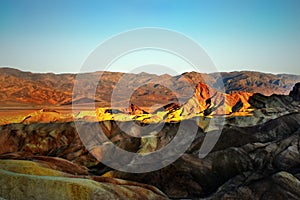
(256, 157)
(28, 179)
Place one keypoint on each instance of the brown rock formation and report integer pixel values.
(210, 102)
(135, 110)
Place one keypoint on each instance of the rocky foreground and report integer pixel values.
(256, 157)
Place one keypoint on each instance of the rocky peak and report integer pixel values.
(135, 110)
(202, 91)
(295, 93)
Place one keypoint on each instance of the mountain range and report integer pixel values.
(24, 89)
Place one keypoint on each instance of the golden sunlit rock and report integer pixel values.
(204, 102)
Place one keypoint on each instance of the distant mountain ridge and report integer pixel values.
(26, 88)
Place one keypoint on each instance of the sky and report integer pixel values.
(59, 35)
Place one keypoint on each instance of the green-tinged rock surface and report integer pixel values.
(31, 180)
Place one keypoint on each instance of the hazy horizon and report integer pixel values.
(44, 72)
(58, 36)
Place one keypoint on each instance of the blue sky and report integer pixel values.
(58, 35)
